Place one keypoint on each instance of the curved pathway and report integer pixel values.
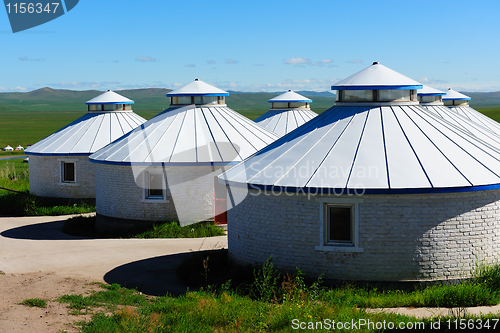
(37, 244)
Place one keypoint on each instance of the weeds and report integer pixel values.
(269, 301)
(84, 226)
(25, 204)
(34, 302)
(266, 281)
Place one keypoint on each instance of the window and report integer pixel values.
(383, 95)
(339, 224)
(155, 188)
(429, 98)
(68, 172)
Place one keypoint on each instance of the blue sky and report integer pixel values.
(254, 45)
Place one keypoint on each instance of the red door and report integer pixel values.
(220, 200)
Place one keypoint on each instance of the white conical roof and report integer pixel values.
(455, 95)
(198, 88)
(476, 117)
(282, 122)
(110, 97)
(290, 96)
(377, 76)
(190, 136)
(91, 132)
(465, 124)
(373, 150)
(429, 91)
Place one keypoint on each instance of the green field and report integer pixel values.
(23, 128)
(26, 118)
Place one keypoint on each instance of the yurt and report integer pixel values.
(59, 164)
(166, 169)
(288, 111)
(8, 148)
(372, 189)
(19, 148)
(431, 100)
(459, 103)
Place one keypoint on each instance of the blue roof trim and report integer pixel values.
(164, 163)
(198, 94)
(457, 99)
(58, 154)
(416, 87)
(95, 103)
(350, 191)
(430, 94)
(291, 101)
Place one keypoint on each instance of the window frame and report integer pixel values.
(147, 187)
(328, 245)
(62, 180)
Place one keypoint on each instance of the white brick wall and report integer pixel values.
(45, 177)
(405, 237)
(189, 193)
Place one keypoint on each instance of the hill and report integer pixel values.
(152, 100)
(484, 98)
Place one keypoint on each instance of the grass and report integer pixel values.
(34, 302)
(14, 175)
(84, 226)
(268, 301)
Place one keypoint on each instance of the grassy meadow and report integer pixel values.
(263, 300)
(14, 175)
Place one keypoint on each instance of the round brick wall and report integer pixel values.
(120, 193)
(403, 237)
(45, 177)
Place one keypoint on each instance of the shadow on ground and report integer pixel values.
(153, 276)
(40, 231)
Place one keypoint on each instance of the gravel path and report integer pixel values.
(39, 261)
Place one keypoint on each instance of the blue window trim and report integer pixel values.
(348, 191)
(164, 163)
(95, 103)
(431, 94)
(58, 154)
(200, 94)
(291, 101)
(415, 87)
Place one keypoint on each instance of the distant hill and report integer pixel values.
(484, 98)
(153, 100)
(148, 99)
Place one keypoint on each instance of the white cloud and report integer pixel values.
(469, 86)
(324, 62)
(85, 84)
(145, 59)
(302, 62)
(30, 59)
(227, 85)
(298, 61)
(190, 65)
(231, 61)
(17, 88)
(427, 80)
(307, 84)
(210, 62)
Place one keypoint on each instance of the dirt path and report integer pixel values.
(40, 261)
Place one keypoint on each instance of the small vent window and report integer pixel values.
(68, 172)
